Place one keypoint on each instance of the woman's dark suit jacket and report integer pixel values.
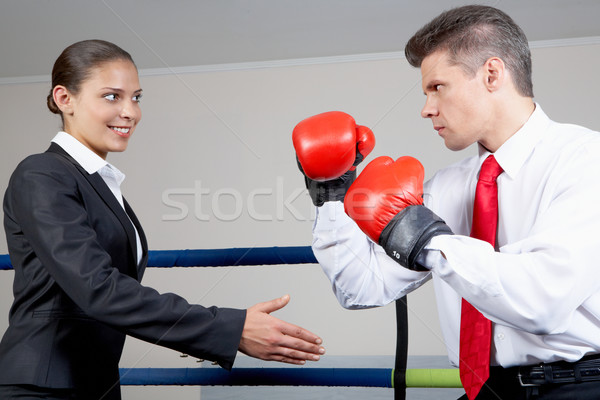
(76, 286)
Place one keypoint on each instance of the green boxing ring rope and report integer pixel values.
(398, 378)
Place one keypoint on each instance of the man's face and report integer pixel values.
(456, 103)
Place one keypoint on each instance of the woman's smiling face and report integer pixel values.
(106, 110)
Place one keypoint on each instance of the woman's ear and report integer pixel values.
(63, 99)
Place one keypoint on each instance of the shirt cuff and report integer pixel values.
(432, 257)
(331, 216)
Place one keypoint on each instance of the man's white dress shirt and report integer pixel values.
(540, 287)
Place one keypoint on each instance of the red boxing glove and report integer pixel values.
(384, 188)
(386, 202)
(328, 147)
(327, 144)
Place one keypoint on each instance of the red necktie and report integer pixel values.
(475, 329)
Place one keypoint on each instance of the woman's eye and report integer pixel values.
(438, 87)
(137, 98)
(110, 97)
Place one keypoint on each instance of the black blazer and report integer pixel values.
(76, 287)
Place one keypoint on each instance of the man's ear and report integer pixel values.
(494, 73)
(63, 99)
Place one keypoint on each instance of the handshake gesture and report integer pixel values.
(385, 201)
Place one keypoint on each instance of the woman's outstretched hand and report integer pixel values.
(271, 339)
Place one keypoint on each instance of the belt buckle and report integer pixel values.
(523, 384)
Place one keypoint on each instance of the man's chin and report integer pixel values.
(455, 146)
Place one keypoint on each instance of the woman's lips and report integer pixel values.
(121, 131)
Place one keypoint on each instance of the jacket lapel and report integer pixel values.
(144, 261)
(108, 197)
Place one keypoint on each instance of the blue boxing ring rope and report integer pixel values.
(398, 378)
(364, 377)
(231, 257)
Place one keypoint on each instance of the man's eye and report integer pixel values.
(137, 98)
(110, 97)
(438, 87)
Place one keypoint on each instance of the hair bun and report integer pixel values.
(52, 105)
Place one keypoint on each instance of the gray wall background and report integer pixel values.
(211, 165)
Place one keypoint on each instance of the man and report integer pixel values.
(534, 284)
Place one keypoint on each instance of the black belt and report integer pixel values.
(585, 370)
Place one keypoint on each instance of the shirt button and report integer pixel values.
(500, 336)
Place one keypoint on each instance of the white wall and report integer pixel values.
(230, 133)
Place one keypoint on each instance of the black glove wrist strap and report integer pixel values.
(407, 234)
(333, 190)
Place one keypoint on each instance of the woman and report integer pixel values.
(79, 253)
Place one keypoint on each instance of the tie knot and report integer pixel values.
(490, 169)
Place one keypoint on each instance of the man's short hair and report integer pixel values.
(471, 35)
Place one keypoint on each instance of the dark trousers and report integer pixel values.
(30, 392)
(503, 384)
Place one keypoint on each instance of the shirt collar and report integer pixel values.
(511, 156)
(89, 160)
